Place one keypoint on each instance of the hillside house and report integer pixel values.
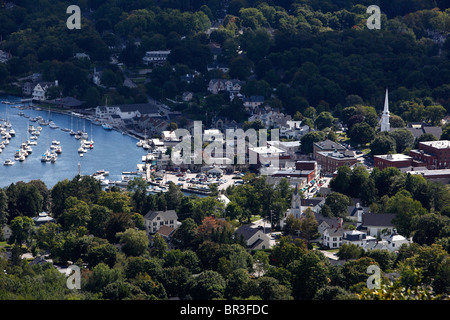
(154, 220)
(40, 90)
(254, 237)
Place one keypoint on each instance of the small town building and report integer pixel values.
(254, 237)
(154, 220)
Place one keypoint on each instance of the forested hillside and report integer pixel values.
(295, 53)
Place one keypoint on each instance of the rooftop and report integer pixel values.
(339, 154)
(394, 157)
(329, 145)
(442, 144)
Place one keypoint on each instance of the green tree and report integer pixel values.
(21, 230)
(382, 144)
(350, 251)
(324, 120)
(77, 214)
(159, 247)
(338, 203)
(403, 139)
(310, 273)
(115, 201)
(286, 251)
(99, 217)
(362, 133)
(207, 285)
(428, 227)
(309, 227)
(308, 140)
(134, 242)
(405, 209)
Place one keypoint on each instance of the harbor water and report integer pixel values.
(113, 151)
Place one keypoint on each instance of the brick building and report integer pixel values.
(330, 161)
(432, 154)
(392, 160)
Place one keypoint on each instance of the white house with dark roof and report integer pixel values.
(378, 224)
(254, 237)
(154, 220)
(332, 237)
(40, 90)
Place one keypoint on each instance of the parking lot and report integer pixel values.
(197, 180)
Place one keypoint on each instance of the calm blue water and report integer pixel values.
(112, 151)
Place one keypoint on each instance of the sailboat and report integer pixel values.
(46, 156)
(66, 129)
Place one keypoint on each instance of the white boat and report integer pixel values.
(56, 142)
(53, 157)
(12, 132)
(46, 156)
(107, 126)
(9, 162)
(65, 129)
(101, 173)
(89, 144)
(53, 125)
(82, 150)
(72, 133)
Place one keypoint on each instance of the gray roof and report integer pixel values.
(169, 214)
(336, 232)
(332, 222)
(312, 201)
(378, 219)
(329, 145)
(247, 232)
(352, 210)
(417, 132)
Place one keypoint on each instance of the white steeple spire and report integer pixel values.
(385, 126)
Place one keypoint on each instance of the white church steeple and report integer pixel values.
(385, 126)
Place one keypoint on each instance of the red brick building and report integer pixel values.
(432, 154)
(392, 160)
(330, 161)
